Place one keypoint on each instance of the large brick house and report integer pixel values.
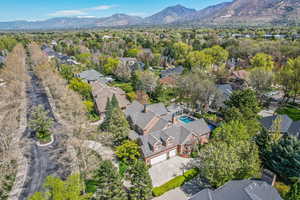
(162, 132)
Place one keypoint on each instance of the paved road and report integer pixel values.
(43, 161)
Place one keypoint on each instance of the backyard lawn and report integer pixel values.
(292, 111)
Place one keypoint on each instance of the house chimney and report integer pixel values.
(269, 177)
(173, 119)
(145, 108)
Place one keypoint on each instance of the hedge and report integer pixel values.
(175, 182)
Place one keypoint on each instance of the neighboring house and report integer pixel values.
(168, 81)
(240, 75)
(225, 90)
(172, 71)
(287, 125)
(240, 190)
(63, 59)
(91, 76)
(102, 92)
(165, 132)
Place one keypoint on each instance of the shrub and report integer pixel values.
(123, 167)
(170, 185)
(127, 87)
(131, 96)
(190, 174)
(282, 188)
(175, 182)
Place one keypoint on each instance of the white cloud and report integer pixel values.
(139, 14)
(86, 16)
(67, 13)
(102, 7)
(79, 12)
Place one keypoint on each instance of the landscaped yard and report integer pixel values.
(292, 111)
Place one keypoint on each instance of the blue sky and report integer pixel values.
(44, 9)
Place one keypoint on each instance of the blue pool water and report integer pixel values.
(211, 127)
(186, 119)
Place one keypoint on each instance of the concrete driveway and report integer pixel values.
(176, 194)
(167, 170)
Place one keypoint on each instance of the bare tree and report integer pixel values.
(13, 75)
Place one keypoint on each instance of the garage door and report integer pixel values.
(173, 153)
(158, 159)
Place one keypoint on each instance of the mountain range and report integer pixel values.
(237, 12)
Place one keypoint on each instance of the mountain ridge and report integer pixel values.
(237, 12)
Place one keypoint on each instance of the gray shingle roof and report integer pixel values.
(240, 190)
(161, 124)
(226, 90)
(90, 75)
(134, 108)
(173, 71)
(179, 132)
(142, 119)
(287, 124)
(294, 129)
(200, 127)
(158, 108)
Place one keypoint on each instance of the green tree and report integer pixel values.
(289, 78)
(67, 72)
(199, 59)
(231, 132)
(37, 196)
(141, 182)
(128, 152)
(284, 158)
(108, 182)
(57, 189)
(83, 88)
(219, 55)
(84, 58)
(114, 101)
(181, 50)
(245, 103)
(111, 65)
(108, 112)
(262, 60)
(133, 52)
(294, 193)
(220, 162)
(41, 123)
(146, 80)
(261, 80)
(118, 126)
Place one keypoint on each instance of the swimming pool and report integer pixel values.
(211, 127)
(186, 119)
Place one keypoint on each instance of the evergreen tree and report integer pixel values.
(284, 158)
(109, 183)
(294, 193)
(245, 104)
(141, 182)
(108, 111)
(118, 126)
(114, 102)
